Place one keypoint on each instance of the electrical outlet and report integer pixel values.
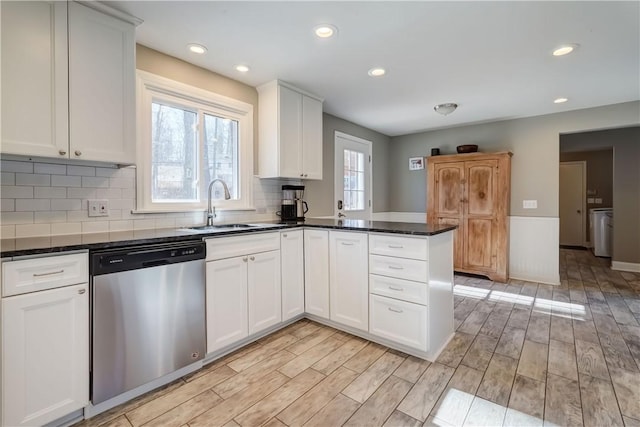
(598, 201)
(591, 200)
(529, 204)
(98, 208)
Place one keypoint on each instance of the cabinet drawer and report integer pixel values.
(38, 274)
(401, 268)
(398, 321)
(403, 247)
(397, 288)
(232, 246)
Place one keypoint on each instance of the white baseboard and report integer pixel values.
(534, 249)
(633, 267)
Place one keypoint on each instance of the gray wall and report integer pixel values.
(626, 183)
(319, 194)
(534, 142)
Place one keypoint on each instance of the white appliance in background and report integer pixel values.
(601, 231)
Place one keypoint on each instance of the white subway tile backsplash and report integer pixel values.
(31, 205)
(165, 223)
(65, 181)
(49, 217)
(128, 193)
(49, 192)
(122, 225)
(95, 182)
(14, 192)
(7, 218)
(82, 193)
(108, 172)
(33, 179)
(13, 166)
(65, 205)
(7, 205)
(81, 170)
(33, 230)
(143, 224)
(108, 193)
(49, 169)
(122, 183)
(7, 231)
(95, 227)
(8, 178)
(127, 172)
(66, 228)
(77, 216)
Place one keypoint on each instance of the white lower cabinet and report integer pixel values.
(348, 279)
(399, 321)
(243, 291)
(227, 314)
(292, 257)
(45, 355)
(316, 272)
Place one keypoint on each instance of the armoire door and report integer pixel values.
(448, 199)
(480, 214)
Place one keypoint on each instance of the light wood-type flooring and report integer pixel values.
(523, 354)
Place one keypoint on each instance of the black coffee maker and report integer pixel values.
(293, 206)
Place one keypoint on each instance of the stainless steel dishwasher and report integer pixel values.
(148, 316)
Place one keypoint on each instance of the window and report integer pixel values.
(187, 138)
(353, 180)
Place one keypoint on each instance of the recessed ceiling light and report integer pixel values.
(560, 100)
(242, 68)
(564, 49)
(197, 48)
(376, 72)
(325, 30)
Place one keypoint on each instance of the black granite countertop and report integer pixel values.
(95, 241)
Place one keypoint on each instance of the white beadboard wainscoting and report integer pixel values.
(46, 199)
(534, 249)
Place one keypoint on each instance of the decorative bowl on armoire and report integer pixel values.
(467, 148)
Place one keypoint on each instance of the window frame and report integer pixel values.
(150, 88)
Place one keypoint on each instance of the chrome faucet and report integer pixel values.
(211, 211)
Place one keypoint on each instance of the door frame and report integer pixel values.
(583, 199)
(369, 144)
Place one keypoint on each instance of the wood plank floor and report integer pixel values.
(523, 354)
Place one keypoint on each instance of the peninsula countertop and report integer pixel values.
(93, 241)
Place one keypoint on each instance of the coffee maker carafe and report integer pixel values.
(293, 206)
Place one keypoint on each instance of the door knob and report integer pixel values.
(579, 211)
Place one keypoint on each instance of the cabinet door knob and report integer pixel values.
(305, 175)
(245, 259)
(252, 258)
(78, 153)
(301, 175)
(284, 235)
(62, 152)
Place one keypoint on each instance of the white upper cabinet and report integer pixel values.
(71, 94)
(290, 123)
(101, 87)
(35, 118)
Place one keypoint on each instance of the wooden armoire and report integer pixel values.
(473, 191)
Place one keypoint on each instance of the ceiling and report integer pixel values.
(492, 58)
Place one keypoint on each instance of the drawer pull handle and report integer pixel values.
(393, 288)
(252, 258)
(82, 291)
(48, 274)
(347, 243)
(395, 310)
(396, 267)
(396, 246)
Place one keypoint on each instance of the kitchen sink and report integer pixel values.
(225, 227)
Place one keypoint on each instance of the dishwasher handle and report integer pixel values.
(155, 263)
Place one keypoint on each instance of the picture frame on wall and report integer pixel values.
(416, 163)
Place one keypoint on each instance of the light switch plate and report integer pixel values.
(529, 204)
(98, 207)
(598, 201)
(590, 200)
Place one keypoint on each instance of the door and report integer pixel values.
(264, 291)
(349, 279)
(572, 203)
(101, 86)
(34, 79)
(316, 272)
(352, 177)
(449, 203)
(292, 262)
(45, 342)
(290, 130)
(481, 196)
(226, 302)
